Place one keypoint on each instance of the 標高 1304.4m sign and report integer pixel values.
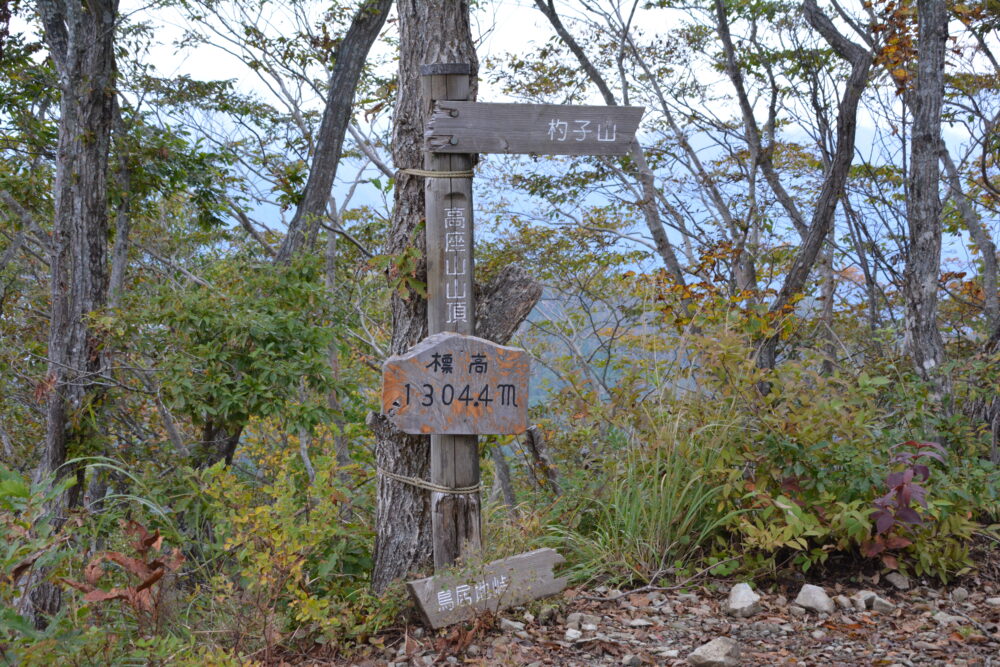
(451, 384)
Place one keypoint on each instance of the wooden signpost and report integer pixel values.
(542, 129)
(453, 385)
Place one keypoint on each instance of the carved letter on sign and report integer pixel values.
(457, 595)
(451, 384)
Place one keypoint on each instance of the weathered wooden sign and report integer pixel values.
(543, 129)
(457, 596)
(451, 384)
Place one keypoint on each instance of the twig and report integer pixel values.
(649, 588)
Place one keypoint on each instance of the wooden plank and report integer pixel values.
(456, 525)
(454, 384)
(458, 595)
(541, 129)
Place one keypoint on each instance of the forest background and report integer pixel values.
(767, 338)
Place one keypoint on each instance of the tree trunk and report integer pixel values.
(430, 31)
(350, 58)
(822, 220)
(81, 43)
(923, 203)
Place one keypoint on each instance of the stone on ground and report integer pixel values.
(815, 599)
(743, 601)
(863, 600)
(511, 626)
(720, 652)
(960, 595)
(881, 605)
(898, 580)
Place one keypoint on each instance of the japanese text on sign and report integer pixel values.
(469, 594)
(455, 264)
(580, 130)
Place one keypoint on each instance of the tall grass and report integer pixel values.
(658, 512)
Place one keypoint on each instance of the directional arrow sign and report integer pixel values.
(450, 384)
(542, 129)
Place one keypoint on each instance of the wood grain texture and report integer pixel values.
(456, 523)
(541, 129)
(458, 595)
(457, 385)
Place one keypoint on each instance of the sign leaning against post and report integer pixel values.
(453, 385)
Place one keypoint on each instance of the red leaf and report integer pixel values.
(898, 542)
(890, 561)
(872, 548)
(908, 515)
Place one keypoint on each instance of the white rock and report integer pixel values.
(815, 598)
(818, 635)
(993, 602)
(720, 652)
(797, 611)
(898, 580)
(863, 600)
(573, 620)
(588, 627)
(843, 602)
(743, 602)
(572, 634)
(511, 626)
(668, 653)
(631, 661)
(945, 618)
(881, 605)
(640, 623)
(960, 595)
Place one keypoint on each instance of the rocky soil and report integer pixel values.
(716, 625)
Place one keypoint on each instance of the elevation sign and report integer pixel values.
(451, 384)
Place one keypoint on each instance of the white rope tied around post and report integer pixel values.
(424, 173)
(430, 486)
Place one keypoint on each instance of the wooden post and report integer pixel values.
(455, 518)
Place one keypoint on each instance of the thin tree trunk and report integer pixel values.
(502, 472)
(333, 400)
(645, 176)
(822, 220)
(535, 444)
(923, 203)
(350, 58)
(980, 235)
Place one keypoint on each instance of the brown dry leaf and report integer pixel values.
(639, 600)
(152, 579)
(133, 565)
(86, 588)
(93, 572)
(25, 565)
(98, 595)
